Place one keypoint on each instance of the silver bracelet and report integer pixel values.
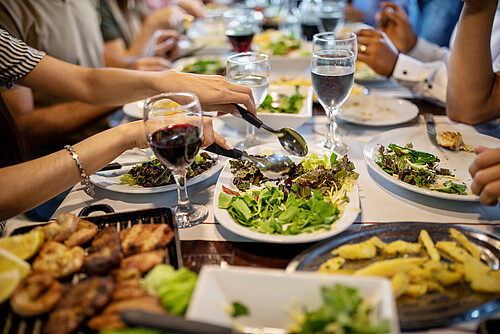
(89, 187)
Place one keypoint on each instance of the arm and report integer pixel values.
(473, 88)
(111, 87)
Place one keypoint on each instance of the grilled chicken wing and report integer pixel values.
(58, 260)
(64, 226)
(84, 233)
(104, 252)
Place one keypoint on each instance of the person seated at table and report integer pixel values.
(27, 184)
(398, 53)
(474, 89)
(365, 10)
(133, 39)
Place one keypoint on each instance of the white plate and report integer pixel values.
(225, 219)
(134, 109)
(112, 182)
(278, 120)
(457, 162)
(377, 111)
(270, 294)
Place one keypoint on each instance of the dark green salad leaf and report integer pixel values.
(154, 174)
(343, 311)
(417, 168)
(307, 200)
(206, 66)
(286, 104)
(238, 310)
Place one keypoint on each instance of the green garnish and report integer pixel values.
(203, 66)
(287, 104)
(343, 311)
(238, 309)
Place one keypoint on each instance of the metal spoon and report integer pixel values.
(273, 166)
(290, 139)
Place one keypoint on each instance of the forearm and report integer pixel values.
(48, 125)
(31, 183)
(473, 88)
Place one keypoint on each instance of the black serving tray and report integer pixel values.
(10, 323)
(456, 304)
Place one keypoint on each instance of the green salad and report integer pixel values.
(343, 311)
(285, 104)
(418, 168)
(310, 199)
(154, 174)
(206, 66)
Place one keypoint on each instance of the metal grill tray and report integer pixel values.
(457, 303)
(11, 323)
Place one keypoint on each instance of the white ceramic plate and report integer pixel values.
(112, 182)
(377, 111)
(134, 109)
(278, 120)
(270, 294)
(224, 218)
(457, 162)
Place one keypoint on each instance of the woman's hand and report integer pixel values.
(485, 172)
(193, 7)
(377, 51)
(397, 26)
(170, 17)
(213, 91)
(166, 44)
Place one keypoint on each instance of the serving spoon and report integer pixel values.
(290, 139)
(272, 167)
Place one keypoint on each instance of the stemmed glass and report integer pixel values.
(240, 26)
(253, 70)
(174, 128)
(332, 76)
(331, 15)
(336, 40)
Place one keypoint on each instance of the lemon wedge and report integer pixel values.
(9, 261)
(23, 245)
(10, 279)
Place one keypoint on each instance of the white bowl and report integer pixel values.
(278, 120)
(269, 294)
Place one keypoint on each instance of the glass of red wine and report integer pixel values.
(174, 128)
(253, 70)
(240, 26)
(332, 76)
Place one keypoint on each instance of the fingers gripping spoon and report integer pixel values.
(290, 139)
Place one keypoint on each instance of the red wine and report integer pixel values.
(176, 146)
(240, 40)
(309, 30)
(332, 84)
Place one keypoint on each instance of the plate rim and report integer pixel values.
(349, 216)
(370, 146)
(413, 111)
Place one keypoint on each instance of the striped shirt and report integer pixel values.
(16, 59)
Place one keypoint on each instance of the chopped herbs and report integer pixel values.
(286, 104)
(343, 311)
(310, 199)
(154, 174)
(418, 168)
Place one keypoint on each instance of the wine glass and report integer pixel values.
(336, 40)
(174, 128)
(331, 15)
(250, 69)
(332, 76)
(240, 26)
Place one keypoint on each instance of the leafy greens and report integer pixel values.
(287, 104)
(310, 199)
(417, 168)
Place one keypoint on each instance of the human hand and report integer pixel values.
(397, 26)
(166, 44)
(210, 136)
(193, 7)
(214, 92)
(151, 64)
(485, 172)
(377, 51)
(170, 17)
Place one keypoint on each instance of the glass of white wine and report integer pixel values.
(253, 70)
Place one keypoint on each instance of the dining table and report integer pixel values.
(380, 201)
